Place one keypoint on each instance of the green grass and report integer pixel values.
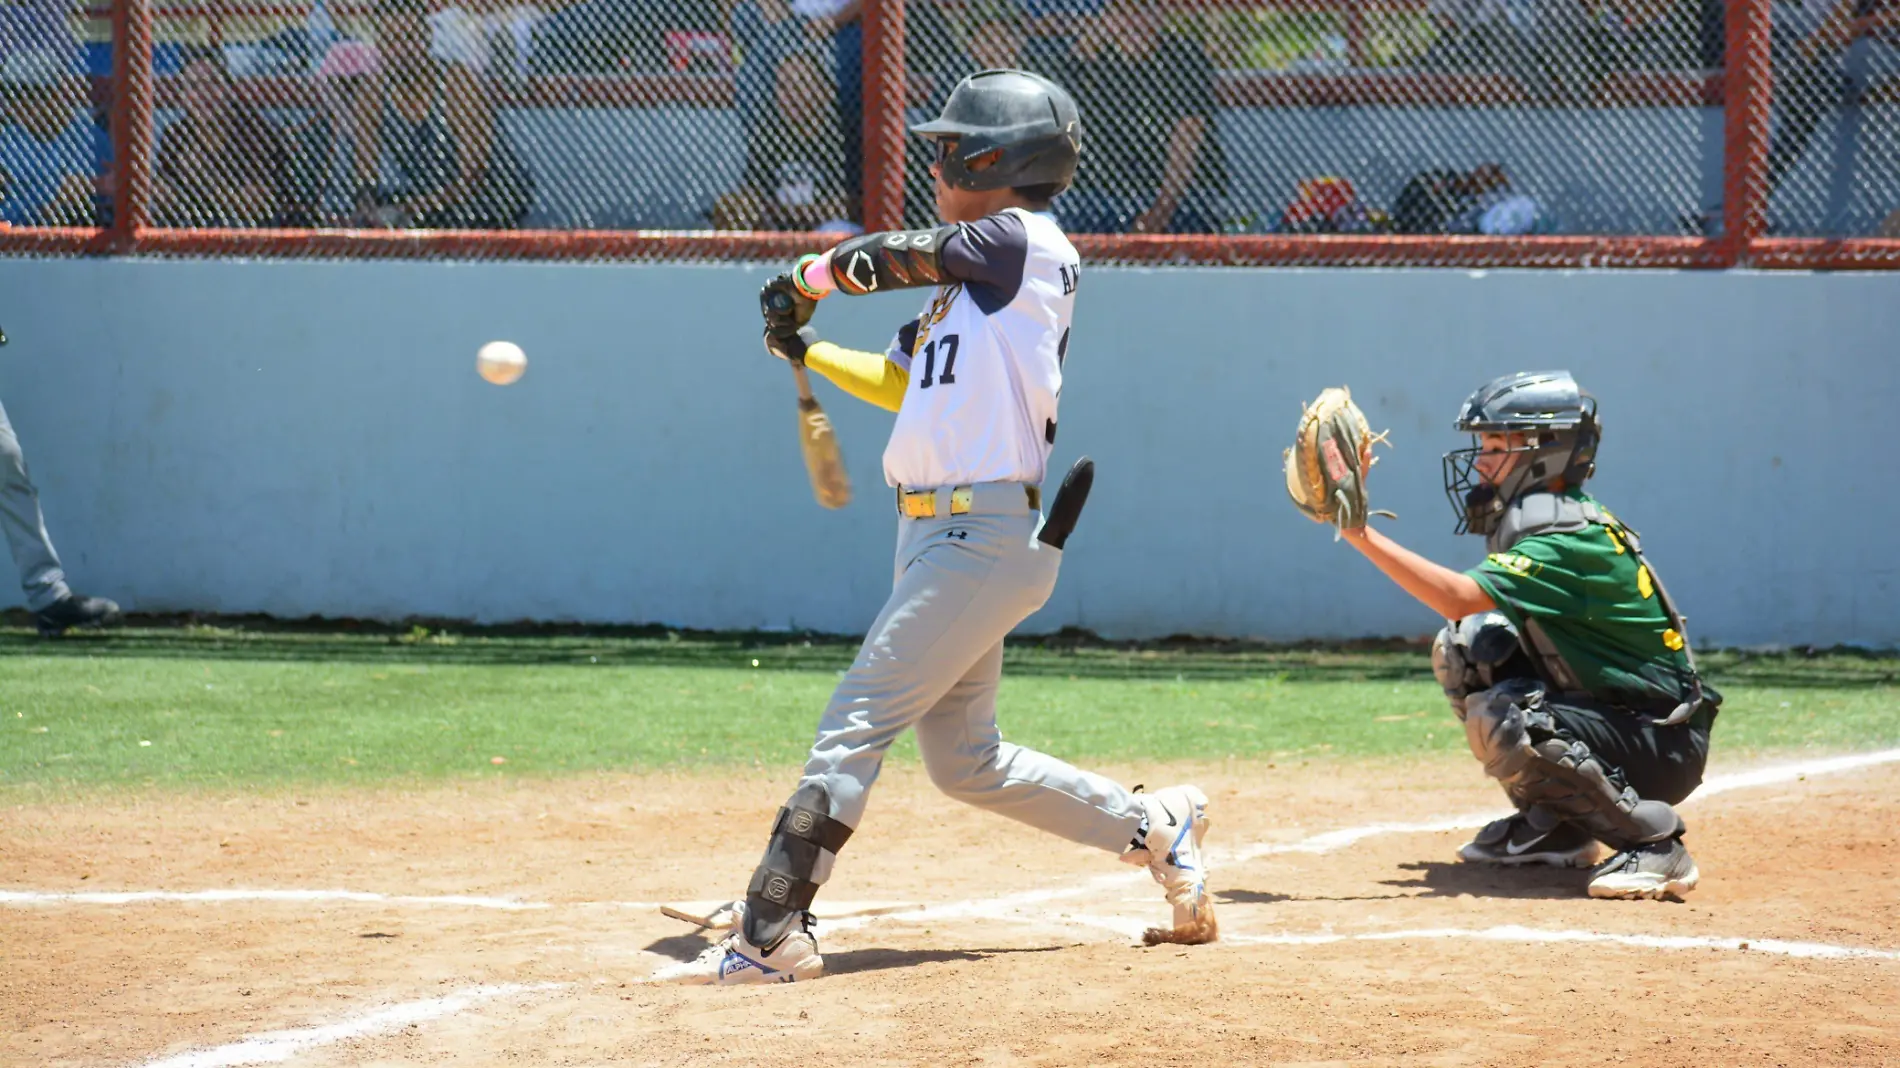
(264, 704)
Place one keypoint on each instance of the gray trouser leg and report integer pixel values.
(967, 758)
(1510, 734)
(963, 584)
(40, 575)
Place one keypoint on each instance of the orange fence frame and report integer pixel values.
(1746, 91)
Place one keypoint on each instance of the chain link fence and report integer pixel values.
(1232, 131)
(1834, 157)
(55, 100)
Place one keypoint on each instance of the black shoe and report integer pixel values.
(1514, 842)
(72, 611)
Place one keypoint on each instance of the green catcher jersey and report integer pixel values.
(1599, 608)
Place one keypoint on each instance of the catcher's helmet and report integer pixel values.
(1559, 422)
(1003, 129)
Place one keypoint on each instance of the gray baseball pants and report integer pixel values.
(40, 575)
(932, 661)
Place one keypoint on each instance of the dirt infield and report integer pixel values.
(1379, 951)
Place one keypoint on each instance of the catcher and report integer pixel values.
(1565, 658)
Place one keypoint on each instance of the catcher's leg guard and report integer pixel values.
(1516, 739)
(781, 888)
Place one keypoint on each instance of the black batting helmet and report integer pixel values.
(1010, 129)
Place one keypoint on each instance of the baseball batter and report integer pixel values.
(975, 381)
(1567, 661)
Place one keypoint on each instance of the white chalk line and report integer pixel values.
(1515, 933)
(1130, 928)
(1712, 786)
(275, 1047)
(1325, 842)
(1331, 841)
(278, 1046)
(132, 897)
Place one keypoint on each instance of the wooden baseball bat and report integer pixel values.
(818, 441)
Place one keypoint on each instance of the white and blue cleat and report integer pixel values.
(1177, 822)
(733, 961)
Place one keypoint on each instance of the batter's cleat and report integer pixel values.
(1658, 870)
(1171, 849)
(1515, 842)
(72, 611)
(733, 961)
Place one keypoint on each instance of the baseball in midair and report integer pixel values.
(501, 362)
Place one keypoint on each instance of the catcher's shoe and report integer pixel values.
(1515, 841)
(733, 961)
(1657, 870)
(1177, 822)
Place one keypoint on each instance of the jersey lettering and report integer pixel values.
(1071, 277)
(1515, 563)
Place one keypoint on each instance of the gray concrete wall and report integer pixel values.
(301, 438)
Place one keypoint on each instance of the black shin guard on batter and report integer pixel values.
(1522, 747)
(781, 888)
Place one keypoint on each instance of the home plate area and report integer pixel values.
(504, 923)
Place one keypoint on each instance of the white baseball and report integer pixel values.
(501, 362)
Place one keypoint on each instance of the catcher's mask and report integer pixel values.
(1559, 423)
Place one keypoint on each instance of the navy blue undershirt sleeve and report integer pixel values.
(988, 256)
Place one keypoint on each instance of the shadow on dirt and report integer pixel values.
(1265, 897)
(1456, 879)
(685, 947)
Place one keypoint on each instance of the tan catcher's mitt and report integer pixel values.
(1326, 467)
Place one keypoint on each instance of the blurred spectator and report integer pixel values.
(1491, 206)
(1645, 35)
(494, 43)
(1827, 55)
(1855, 46)
(222, 163)
(1061, 18)
(616, 36)
(995, 42)
(36, 26)
(1151, 160)
(323, 145)
(1477, 35)
(794, 178)
(765, 32)
(440, 159)
(1712, 34)
(1331, 205)
(842, 21)
(51, 151)
(456, 35)
(1479, 201)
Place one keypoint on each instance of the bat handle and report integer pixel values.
(803, 378)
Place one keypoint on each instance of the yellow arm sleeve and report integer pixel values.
(867, 376)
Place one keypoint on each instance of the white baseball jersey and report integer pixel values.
(985, 358)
